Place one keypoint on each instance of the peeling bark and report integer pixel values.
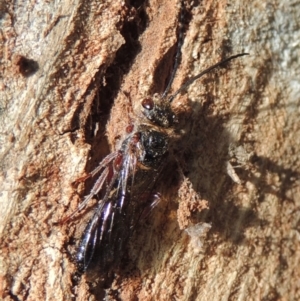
(73, 74)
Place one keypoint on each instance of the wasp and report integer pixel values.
(125, 179)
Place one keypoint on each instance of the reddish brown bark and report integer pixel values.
(72, 72)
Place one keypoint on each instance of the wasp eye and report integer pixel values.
(148, 104)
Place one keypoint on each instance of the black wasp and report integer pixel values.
(126, 178)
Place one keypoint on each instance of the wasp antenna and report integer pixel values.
(191, 80)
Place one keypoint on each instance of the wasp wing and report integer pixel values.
(98, 235)
(127, 197)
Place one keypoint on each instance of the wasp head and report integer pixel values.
(158, 111)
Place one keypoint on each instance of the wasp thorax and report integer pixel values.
(158, 111)
(155, 146)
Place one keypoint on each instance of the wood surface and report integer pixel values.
(73, 72)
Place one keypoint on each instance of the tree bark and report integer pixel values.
(73, 77)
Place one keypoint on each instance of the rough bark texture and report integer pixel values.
(70, 74)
